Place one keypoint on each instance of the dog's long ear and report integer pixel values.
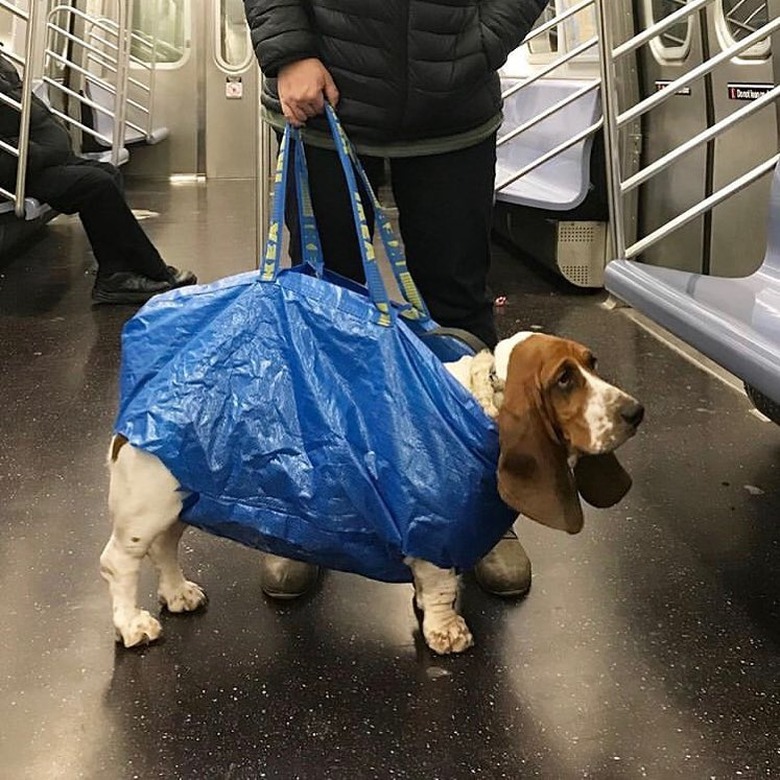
(601, 480)
(533, 475)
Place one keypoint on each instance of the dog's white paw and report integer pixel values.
(186, 598)
(139, 630)
(450, 637)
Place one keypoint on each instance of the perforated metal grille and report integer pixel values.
(576, 233)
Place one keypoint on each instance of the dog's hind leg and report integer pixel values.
(174, 590)
(144, 502)
(436, 595)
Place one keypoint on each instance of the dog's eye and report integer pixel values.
(591, 362)
(565, 378)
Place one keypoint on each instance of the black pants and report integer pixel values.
(445, 204)
(94, 191)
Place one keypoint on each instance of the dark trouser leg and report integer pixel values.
(94, 191)
(445, 203)
(330, 200)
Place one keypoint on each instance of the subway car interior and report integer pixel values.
(637, 211)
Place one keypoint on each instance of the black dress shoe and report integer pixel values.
(133, 288)
(181, 278)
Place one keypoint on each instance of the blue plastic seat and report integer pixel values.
(735, 322)
(563, 183)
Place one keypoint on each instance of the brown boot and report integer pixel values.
(283, 578)
(505, 570)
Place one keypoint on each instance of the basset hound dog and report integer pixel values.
(559, 424)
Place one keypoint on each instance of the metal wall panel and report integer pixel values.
(664, 128)
(739, 226)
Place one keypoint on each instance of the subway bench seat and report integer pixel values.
(735, 322)
(557, 213)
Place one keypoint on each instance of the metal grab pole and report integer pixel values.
(610, 108)
(122, 72)
(30, 45)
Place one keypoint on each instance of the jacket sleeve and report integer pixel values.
(281, 33)
(505, 23)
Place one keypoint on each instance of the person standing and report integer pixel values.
(416, 83)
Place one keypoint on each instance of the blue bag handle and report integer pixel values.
(271, 262)
(311, 248)
(417, 309)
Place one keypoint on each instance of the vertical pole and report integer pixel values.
(30, 57)
(610, 109)
(153, 71)
(122, 71)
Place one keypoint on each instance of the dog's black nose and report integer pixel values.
(633, 413)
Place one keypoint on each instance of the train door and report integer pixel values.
(232, 94)
(206, 89)
(669, 56)
(739, 226)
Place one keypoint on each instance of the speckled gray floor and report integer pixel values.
(647, 647)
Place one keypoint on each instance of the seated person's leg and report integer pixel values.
(130, 269)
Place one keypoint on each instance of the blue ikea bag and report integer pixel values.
(308, 416)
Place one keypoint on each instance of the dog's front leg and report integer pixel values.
(436, 595)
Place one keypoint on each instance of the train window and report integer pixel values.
(738, 19)
(167, 22)
(548, 42)
(674, 43)
(579, 28)
(233, 47)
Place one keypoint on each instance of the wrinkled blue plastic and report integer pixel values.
(305, 428)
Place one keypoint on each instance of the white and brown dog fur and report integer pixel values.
(558, 425)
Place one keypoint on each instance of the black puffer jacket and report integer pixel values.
(405, 69)
(49, 141)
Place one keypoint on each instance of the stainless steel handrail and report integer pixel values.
(662, 163)
(562, 147)
(654, 30)
(696, 73)
(548, 69)
(30, 43)
(614, 120)
(560, 105)
(548, 113)
(153, 44)
(706, 205)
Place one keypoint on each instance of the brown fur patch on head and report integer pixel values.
(117, 443)
(555, 366)
(542, 421)
(533, 475)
